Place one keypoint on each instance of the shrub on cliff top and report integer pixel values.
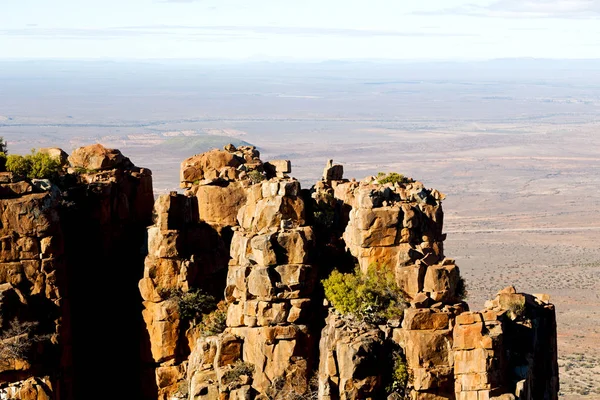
(372, 297)
(33, 166)
(3, 147)
(256, 176)
(392, 177)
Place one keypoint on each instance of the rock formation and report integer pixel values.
(228, 302)
(282, 240)
(69, 263)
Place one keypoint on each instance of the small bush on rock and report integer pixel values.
(18, 339)
(238, 370)
(214, 322)
(462, 291)
(256, 176)
(372, 297)
(18, 165)
(33, 166)
(400, 375)
(517, 309)
(194, 304)
(392, 177)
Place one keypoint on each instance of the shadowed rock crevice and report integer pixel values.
(104, 223)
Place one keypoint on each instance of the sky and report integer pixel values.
(311, 30)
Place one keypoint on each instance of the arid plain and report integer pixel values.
(514, 145)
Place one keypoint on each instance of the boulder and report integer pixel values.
(333, 172)
(208, 165)
(97, 157)
(278, 168)
(56, 153)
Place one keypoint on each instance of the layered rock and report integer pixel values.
(269, 286)
(508, 349)
(245, 233)
(399, 227)
(256, 213)
(353, 360)
(59, 239)
(33, 312)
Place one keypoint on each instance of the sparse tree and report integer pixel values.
(17, 340)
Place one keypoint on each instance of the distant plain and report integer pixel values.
(514, 144)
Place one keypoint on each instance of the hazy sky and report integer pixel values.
(300, 29)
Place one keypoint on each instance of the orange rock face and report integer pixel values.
(246, 233)
(97, 157)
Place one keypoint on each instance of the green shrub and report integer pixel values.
(214, 322)
(392, 177)
(256, 176)
(372, 297)
(43, 166)
(198, 308)
(517, 309)
(33, 166)
(81, 170)
(194, 304)
(238, 370)
(18, 165)
(400, 375)
(462, 291)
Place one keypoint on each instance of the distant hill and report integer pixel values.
(198, 143)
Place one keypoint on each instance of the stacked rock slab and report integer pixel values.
(188, 248)
(32, 270)
(258, 215)
(352, 357)
(55, 236)
(394, 225)
(508, 349)
(450, 353)
(269, 286)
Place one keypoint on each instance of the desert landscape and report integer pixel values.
(513, 144)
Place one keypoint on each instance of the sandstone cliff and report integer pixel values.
(71, 257)
(280, 342)
(229, 302)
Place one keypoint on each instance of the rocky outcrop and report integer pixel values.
(258, 216)
(353, 360)
(507, 349)
(449, 352)
(245, 235)
(96, 158)
(269, 286)
(70, 248)
(32, 287)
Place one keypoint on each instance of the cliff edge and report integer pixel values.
(247, 286)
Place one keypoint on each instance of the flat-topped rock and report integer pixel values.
(97, 157)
